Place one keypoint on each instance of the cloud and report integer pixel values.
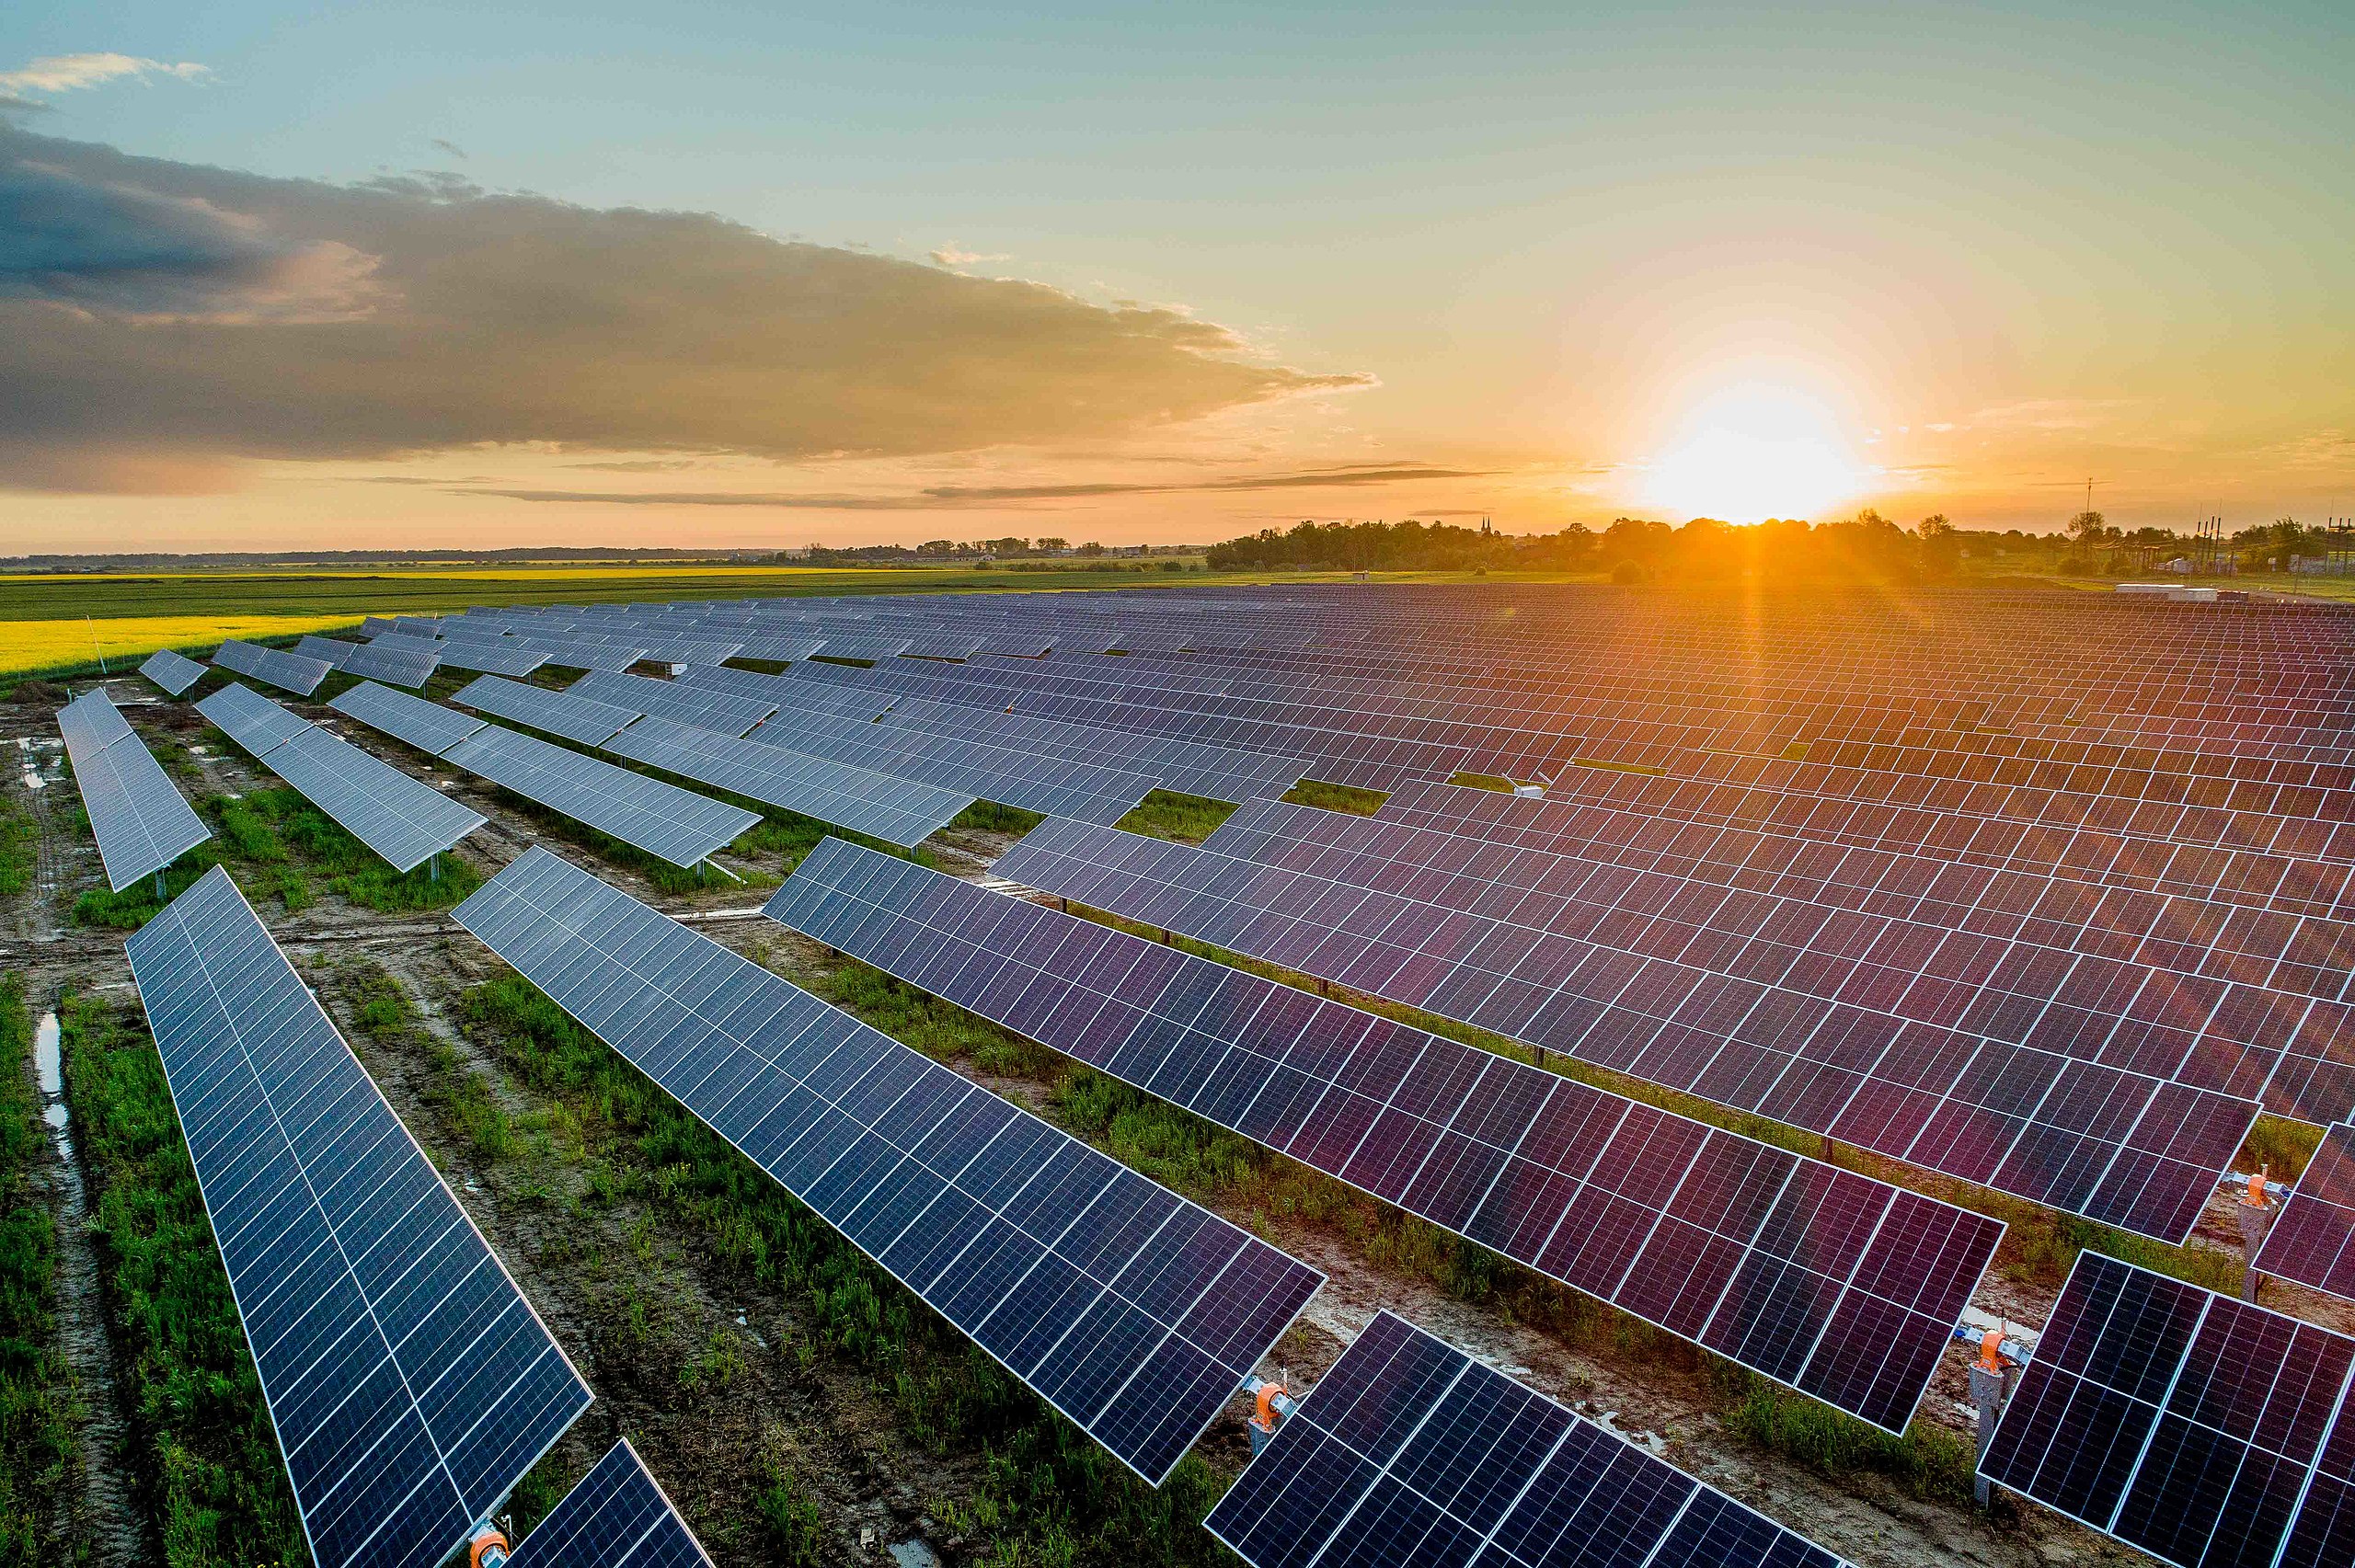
(65, 72)
(152, 304)
(955, 495)
(951, 255)
(450, 147)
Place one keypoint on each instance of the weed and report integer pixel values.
(37, 1398)
(1184, 819)
(1335, 797)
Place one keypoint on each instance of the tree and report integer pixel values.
(1006, 546)
(2086, 528)
(1091, 549)
(937, 547)
(1052, 546)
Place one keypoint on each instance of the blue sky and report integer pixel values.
(2092, 236)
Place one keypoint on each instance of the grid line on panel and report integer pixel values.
(896, 810)
(428, 726)
(663, 820)
(288, 671)
(172, 671)
(139, 818)
(1841, 1286)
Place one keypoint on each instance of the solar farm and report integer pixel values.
(1315, 1074)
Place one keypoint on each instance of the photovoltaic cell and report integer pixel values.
(172, 671)
(615, 1517)
(581, 654)
(252, 720)
(403, 664)
(1045, 785)
(663, 820)
(1409, 1454)
(1132, 1311)
(787, 691)
(2203, 1430)
(409, 1383)
(1843, 1288)
(2312, 1237)
(722, 712)
(898, 811)
(851, 645)
(558, 712)
(140, 820)
(288, 671)
(428, 726)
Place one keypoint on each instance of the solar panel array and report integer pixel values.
(1080, 790)
(574, 716)
(428, 726)
(678, 825)
(896, 810)
(491, 658)
(402, 662)
(2312, 1239)
(405, 821)
(1841, 1286)
(2201, 1429)
(1133, 1313)
(174, 672)
(1409, 1453)
(721, 711)
(288, 671)
(1791, 1015)
(409, 1383)
(616, 1516)
(140, 820)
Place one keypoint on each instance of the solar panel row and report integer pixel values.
(409, 1383)
(720, 711)
(174, 672)
(678, 825)
(288, 671)
(139, 818)
(1132, 1311)
(616, 1516)
(1839, 1286)
(898, 811)
(1078, 790)
(574, 716)
(2128, 1148)
(2203, 1430)
(1409, 1453)
(403, 819)
(428, 726)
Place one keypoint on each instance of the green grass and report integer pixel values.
(1185, 819)
(1041, 1491)
(207, 1459)
(278, 845)
(38, 1423)
(19, 845)
(1335, 797)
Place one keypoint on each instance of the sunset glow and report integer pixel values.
(1750, 454)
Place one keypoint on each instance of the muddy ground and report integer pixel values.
(725, 1388)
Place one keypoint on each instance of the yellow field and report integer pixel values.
(44, 645)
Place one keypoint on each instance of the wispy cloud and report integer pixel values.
(951, 496)
(952, 256)
(449, 146)
(65, 72)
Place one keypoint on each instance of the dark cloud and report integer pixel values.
(154, 306)
(962, 496)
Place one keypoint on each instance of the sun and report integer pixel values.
(1753, 452)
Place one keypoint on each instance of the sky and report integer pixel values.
(281, 276)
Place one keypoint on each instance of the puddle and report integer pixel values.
(110, 1516)
(914, 1553)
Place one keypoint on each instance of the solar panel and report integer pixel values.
(2201, 1429)
(898, 811)
(172, 671)
(574, 653)
(428, 726)
(329, 650)
(1045, 785)
(558, 712)
(663, 820)
(376, 625)
(1132, 1311)
(492, 657)
(783, 691)
(405, 821)
(409, 1383)
(721, 711)
(869, 647)
(778, 648)
(288, 671)
(1843, 1288)
(1189, 767)
(1409, 1454)
(615, 1517)
(140, 820)
(252, 720)
(2313, 1239)
(1738, 1020)
(403, 665)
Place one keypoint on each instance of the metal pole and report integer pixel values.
(1988, 1391)
(2256, 1220)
